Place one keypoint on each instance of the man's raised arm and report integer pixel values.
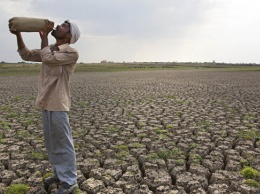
(20, 42)
(48, 28)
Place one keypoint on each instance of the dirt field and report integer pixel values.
(142, 132)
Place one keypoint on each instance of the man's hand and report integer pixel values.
(48, 27)
(15, 32)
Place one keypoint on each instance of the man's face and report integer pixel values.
(61, 31)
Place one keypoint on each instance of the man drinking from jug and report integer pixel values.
(58, 64)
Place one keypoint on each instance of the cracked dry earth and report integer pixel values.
(145, 132)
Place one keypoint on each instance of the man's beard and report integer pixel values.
(53, 33)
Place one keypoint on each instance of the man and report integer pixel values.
(58, 63)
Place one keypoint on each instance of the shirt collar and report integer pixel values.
(63, 47)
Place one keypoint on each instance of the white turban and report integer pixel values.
(74, 30)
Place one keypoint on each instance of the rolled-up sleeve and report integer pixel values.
(30, 55)
(61, 57)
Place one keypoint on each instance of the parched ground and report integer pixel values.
(142, 132)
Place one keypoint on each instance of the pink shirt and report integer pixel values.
(56, 70)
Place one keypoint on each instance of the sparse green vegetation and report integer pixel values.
(171, 97)
(5, 108)
(195, 159)
(227, 108)
(244, 162)
(113, 129)
(76, 146)
(33, 69)
(181, 101)
(180, 161)
(248, 116)
(249, 134)
(162, 136)
(249, 159)
(250, 173)
(167, 154)
(12, 115)
(83, 104)
(122, 154)
(141, 124)
(17, 189)
(2, 137)
(137, 145)
(40, 155)
(252, 176)
(223, 133)
(78, 132)
(129, 114)
(27, 122)
(23, 134)
(38, 174)
(252, 183)
(4, 125)
(122, 147)
(152, 156)
(70, 113)
(132, 122)
(205, 124)
(160, 131)
(77, 191)
(141, 135)
(19, 173)
(169, 126)
(98, 153)
(49, 174)
(178, 114)
(17, 98)
(32, 98)
(177, 100)
(193, 145)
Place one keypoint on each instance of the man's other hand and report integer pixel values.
(15, 32)
(48, 27)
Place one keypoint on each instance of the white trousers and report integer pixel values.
(59, 144)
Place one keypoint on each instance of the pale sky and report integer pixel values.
(145, 30)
